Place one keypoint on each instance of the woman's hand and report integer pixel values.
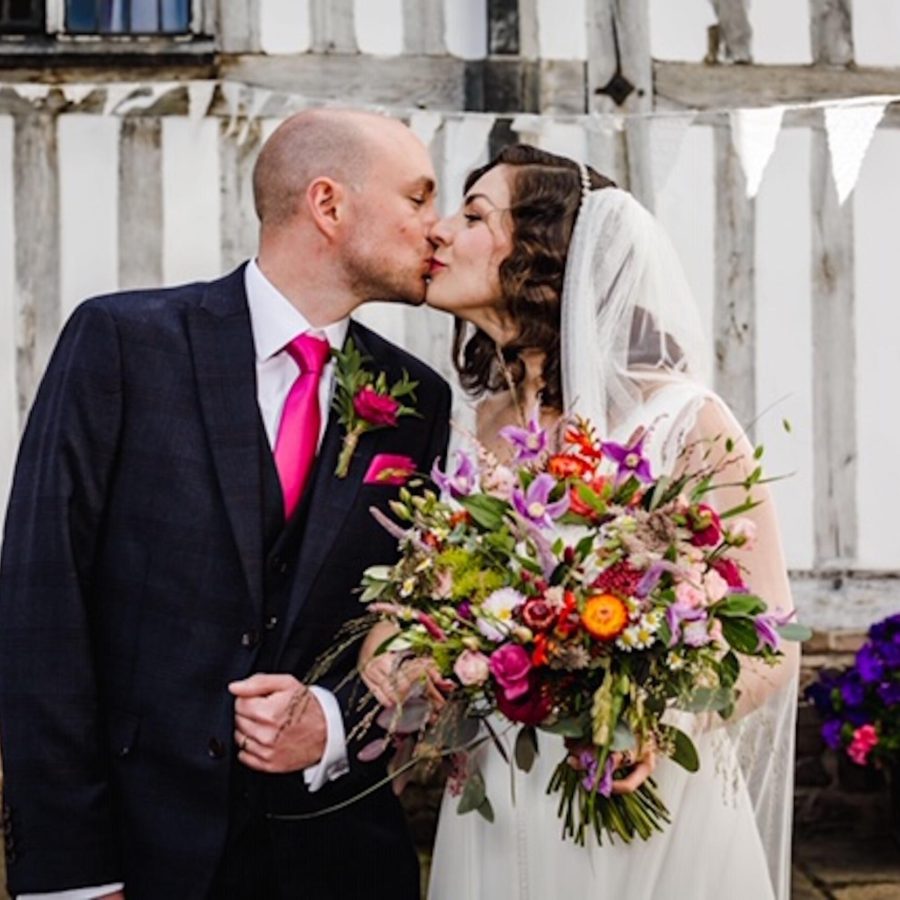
(392, 676)
(642, 765)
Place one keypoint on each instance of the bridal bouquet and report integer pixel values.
(573, 593)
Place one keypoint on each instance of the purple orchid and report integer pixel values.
(630, 459)
(529, 443)
(679, 613)
(463, 480)
(767, 628)
(534, 504)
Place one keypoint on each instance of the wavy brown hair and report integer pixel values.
(546, 195)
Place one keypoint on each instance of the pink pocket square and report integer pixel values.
(390, 468)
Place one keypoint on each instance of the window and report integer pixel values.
(100, 18)
(22, 17)
(127, 17)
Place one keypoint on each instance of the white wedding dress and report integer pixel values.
(730, 830)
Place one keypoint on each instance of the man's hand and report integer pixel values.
(115, 895)
(279, 724)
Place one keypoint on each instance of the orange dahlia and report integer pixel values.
(604, 616)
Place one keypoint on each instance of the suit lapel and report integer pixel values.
(224, 363)
(328, 500)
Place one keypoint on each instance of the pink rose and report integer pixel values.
(864, 739)
(706, 525)
(510, 665)
(471, 668)
(376, 409)
(538, 614)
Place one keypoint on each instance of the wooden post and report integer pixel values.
(239, 26)
(620, 79)
(140, 203)
(734, 316)
(37, 251)
(333, 28)
(734, 32)
(423, 27)
(833, 325)
(239, 225)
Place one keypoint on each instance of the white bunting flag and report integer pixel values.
(424, 124)
(200, 95)
(75, 93)
(754, 133)
(850, 129)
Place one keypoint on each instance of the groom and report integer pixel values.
(178, 553)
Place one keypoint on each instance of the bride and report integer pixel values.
(569, 296)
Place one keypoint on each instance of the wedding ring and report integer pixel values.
(244, 743)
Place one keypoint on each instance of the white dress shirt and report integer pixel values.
(275, 322)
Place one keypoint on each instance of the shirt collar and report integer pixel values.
(275, 321)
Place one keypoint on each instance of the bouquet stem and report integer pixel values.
(618, 815)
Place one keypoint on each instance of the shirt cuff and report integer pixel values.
(88, 893)
(334, 759)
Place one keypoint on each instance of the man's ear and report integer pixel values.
(326, 200)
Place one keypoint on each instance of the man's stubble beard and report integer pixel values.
(373, 279)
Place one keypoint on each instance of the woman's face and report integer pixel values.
(469, 247)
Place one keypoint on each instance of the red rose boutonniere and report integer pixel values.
(365, 401)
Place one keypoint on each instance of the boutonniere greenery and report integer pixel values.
(364, 400)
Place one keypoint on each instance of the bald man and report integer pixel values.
(168, 582)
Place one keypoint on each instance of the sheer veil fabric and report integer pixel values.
(634, 355)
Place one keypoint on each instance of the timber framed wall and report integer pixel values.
(122, 167)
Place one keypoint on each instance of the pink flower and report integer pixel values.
(688, 594)
(716, 586)
(471, 668)
(377, 409)
(510, 665)
(731, 572)
(742, 533)
(864, 739)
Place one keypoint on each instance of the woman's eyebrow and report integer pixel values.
(471, 198)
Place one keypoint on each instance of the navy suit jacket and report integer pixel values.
(132, 582)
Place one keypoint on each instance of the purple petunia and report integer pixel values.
(852, 691)
(869, 664)
(534, 503)
(529, 442)
(831, 733)
(630, 459)
(889, 692)
(463, 480)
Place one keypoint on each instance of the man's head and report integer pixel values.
(347, 197)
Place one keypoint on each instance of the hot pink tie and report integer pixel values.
(298, 433)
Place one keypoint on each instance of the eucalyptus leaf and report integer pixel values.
(623, 739)
(473, 795)
(684, 751)
(704, 699)
(485, 810)
(574, 727)
(526, 750)
(794, 631)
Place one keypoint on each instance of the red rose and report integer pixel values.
(538, 614)
(730, 571)
(530, 709)
(376, 409)
(706, 525)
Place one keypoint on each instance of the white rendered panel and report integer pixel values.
(284, 26)
(781, 31)
(562, 29)
(784, 339)
(466, 28)
(379, 26)
(678, 30)
(88, 201)
(190, 161)
(876, 32)
(877, 267)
